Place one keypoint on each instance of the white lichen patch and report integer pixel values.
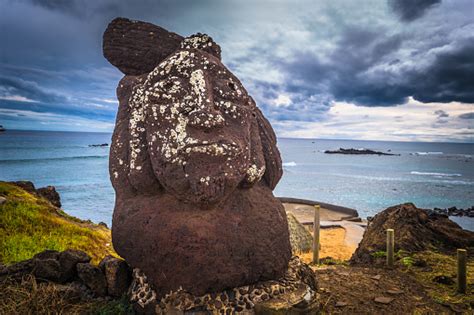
(178, 95)
(205, 180)
(255, 173)
(197, 41)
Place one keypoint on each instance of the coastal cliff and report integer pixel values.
(30, 223)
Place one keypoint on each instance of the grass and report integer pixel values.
(30, 224)
(31, 297)
(441, 264)
(379, 254)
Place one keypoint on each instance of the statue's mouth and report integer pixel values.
(220, 148)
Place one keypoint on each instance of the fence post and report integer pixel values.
(390, 247)
(462, 275)
(316, 229)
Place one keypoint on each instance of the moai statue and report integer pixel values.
(193, 163)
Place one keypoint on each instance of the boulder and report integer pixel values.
(93, 278)
(117, 274)
(415, 230)
(50, 193)
(47, 269)
(26, 185)
(68, 260)
(18, 270)
(49, 265)
(2, 200)
(193, 162)
(58, 266)
(300, 238)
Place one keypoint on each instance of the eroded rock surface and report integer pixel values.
(294, 293)
(415, 230)
(193, 163)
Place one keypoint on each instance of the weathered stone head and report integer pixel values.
(193, 163)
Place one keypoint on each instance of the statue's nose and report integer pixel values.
(205, 115)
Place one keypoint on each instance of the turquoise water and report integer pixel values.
(428, 174)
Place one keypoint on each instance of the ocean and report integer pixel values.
(427, 174)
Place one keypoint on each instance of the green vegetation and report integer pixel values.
(331, 261)
(407, 261)
(114, 307)
(441, 264)
(30, 224)
(379, 254)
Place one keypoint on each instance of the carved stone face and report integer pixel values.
(197, 120)
(189, 137)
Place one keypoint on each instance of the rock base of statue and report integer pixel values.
(294, 293)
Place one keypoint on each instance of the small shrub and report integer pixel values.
(379, 254)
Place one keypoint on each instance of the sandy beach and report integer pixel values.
(341, 228)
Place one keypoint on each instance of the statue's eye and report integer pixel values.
(232, 86)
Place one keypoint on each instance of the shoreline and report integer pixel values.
(348, 211)
(341, 228)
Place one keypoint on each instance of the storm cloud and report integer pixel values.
(409, 10)
(298, 60)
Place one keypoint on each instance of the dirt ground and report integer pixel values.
(354, 290)
(346, 289)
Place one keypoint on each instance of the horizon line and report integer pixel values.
(289, 138)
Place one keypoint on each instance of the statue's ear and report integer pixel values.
(257, 160)
(273, 166)
(128, 178)
(136, 47)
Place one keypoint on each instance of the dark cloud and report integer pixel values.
(409, 10)
(312, 53)
(30, 90)
(361, 70)
(450, 77)
(441, 113)
(467, 115)
(343, 74)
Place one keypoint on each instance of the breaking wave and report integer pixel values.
(429, 153)
(435, 174)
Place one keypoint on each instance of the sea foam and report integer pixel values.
(435, 174)
(429, 153)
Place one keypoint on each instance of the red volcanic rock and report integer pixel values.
(136, 47)
(415, 230)
(193, 163)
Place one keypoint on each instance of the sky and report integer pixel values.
(399, 70)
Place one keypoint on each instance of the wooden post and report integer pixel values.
(462, 275)
(316, 228)
(390, 247)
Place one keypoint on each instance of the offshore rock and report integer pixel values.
(193, 162)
